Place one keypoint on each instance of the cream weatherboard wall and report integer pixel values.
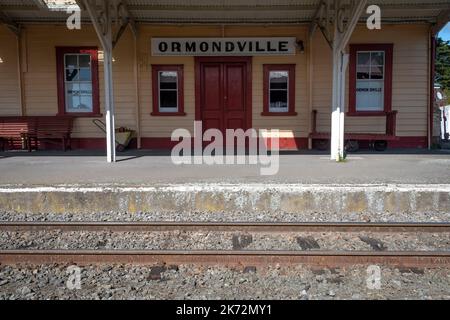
(410, 76)
(409, 85)
(9, 80)
(163, 126)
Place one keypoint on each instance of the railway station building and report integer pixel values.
(320, 71)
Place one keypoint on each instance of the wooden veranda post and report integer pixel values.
(337, 19)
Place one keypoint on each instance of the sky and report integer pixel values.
(445, 33)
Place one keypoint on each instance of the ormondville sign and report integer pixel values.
(223, 46)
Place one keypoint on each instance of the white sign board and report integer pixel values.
(223, 46)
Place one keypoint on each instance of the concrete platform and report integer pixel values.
(308, 187)
(149, 168)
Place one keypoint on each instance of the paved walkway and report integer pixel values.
(144, 168)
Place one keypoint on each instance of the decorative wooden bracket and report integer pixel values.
(108, 15)
(323, 20)
(337, 19)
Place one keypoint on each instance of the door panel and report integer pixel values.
(234, 87)
(223, 96)
(212, 96)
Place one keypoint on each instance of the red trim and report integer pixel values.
(288, 144)
(389, 53)
(290, 68)
(155, 90)
(200, 60)
(165, 143)
(60, 74)
(89, 143)
(409, 142)
(432, 94)
(284, 143)
(367, 114)
(158, 143)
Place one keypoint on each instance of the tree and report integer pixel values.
(443, 64)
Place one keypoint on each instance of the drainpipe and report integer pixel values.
(136, 86)
(20, 62)
(432, 78)
(310, 67)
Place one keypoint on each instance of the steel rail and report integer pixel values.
(323, 258)
(222, 226)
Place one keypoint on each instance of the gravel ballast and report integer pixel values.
(239, 216)
(201, 282)
(219, 240)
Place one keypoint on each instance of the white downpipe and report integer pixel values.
(345, 61)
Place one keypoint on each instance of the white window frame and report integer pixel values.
(79, 82)
(382, 107)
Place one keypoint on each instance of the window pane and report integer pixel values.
(377, 58)
(85, 104)
(85, 89)
(85, 60)
(370, 96)
(78, 83)
(278, 79)
(73, 89)
(278, 99)
(85, 75)
(363, 58)
(168, 99)
(363, 73)
(167, 79)
(72, 74)
(71, 61)
(72, 101)
(377, 72)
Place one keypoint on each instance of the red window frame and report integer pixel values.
(156, 68)
(290, 68)
(388, 53)
(60, 52)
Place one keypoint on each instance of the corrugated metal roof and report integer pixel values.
(225, 11)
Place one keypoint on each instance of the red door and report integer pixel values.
(223, 93)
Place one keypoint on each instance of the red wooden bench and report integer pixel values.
(52, 130)
(15, 130)
(379, 140)
(29, 130)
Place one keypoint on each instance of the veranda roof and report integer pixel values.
(223, 11)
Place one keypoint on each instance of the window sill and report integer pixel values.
(168, 114)
(80, 115)
(366, 114)
(279, 114)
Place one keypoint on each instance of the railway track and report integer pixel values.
(223, 226)
(227, 257)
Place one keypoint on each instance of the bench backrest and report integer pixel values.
(16, 126)
(54, 125)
